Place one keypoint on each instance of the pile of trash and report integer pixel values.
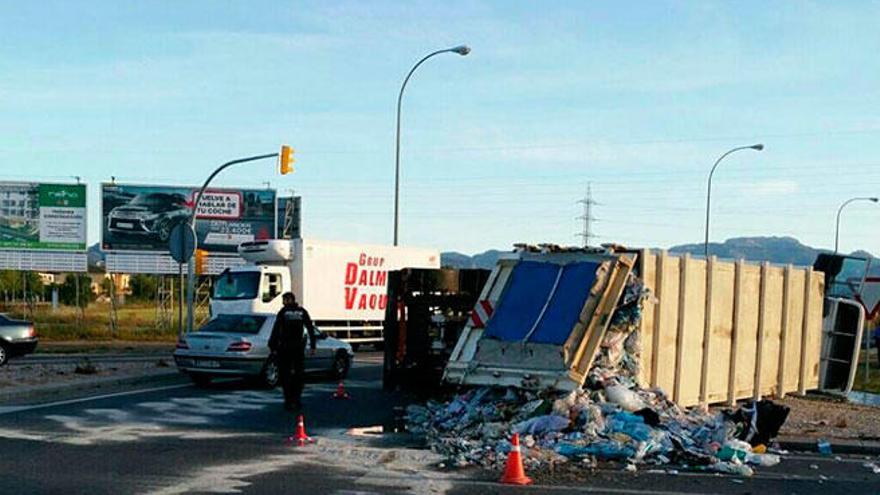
(609, 418)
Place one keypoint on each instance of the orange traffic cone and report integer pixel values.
(299, 438)
(513, 471)
(340, 392)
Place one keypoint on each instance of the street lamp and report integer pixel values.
(461, 50)
(286, 159)
(756, 147)
(840, 210)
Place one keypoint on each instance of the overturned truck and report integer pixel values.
(711, 331)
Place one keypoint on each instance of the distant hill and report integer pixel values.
(780, 250)
(485, 259)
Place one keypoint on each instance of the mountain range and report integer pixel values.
(780, 250)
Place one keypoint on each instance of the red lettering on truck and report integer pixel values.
(366, 272)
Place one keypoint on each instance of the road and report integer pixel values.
(229, 439)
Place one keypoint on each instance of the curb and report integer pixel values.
(44, 392)
(838, 446)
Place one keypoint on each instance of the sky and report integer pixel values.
(497, 147)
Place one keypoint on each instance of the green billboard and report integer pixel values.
(42, 216)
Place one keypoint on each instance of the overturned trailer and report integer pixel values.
(713, 331)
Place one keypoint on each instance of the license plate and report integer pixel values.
(125, 225)
(202, 363)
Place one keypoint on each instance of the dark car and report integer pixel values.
(17, 337)
(150, 214)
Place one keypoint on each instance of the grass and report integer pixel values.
(135, 322)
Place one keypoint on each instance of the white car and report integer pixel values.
(238, 345)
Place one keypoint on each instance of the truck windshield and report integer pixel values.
(242, 285)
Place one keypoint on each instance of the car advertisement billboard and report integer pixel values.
(140, 218)
(42, 216)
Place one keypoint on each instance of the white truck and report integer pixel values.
(343, 285)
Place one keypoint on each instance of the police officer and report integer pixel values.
(287, 344)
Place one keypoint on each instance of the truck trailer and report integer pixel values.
(343, 285)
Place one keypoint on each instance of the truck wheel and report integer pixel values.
(200, 379)
(341, 365)
(270, 375)
(4, 354)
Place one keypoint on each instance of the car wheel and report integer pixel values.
(341, 365)
(270, 375)
(4, 354)
(200, 379)
(165, 231)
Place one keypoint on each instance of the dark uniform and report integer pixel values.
(288, 344)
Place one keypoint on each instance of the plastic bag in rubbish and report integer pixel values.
(624, 397)
(734, 449)
(765, 460)
(603, 450)
(630, 424)
(731, 468)
(542, 424)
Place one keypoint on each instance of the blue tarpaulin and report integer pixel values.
(531, 284)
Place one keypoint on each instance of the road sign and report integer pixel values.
(182, 242)
(870, 297)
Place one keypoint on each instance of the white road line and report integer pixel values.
(14, 409)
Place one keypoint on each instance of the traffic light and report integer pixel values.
(201, 261)
(286, 160)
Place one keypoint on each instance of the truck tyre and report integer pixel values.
(4, 354)
(270, 375)
(200, 379)
(341, 365)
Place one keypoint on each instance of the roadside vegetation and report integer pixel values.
(873, 382)
(85, 310)
(138, 321)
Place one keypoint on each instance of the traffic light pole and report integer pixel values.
(190, 265)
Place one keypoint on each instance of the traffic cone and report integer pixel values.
(513, 471)
(340, 392)
(299, 438)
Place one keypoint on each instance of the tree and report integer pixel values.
(13, 283)
(143, 287)
(67, 290)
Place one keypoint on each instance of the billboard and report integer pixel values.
(140, 218)
(289, 217)
(39, 216)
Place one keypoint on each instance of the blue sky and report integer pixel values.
(498, 146)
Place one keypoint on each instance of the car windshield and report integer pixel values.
(243, 285)
(152, 200)
(234, 324)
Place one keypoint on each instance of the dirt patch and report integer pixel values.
(37, 374)
(822, 417)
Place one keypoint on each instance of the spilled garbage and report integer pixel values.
(609, 418)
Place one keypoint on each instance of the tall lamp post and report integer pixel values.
(839, 211)
(461, 50)
(756, 147)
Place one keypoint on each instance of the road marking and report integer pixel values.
(14, 409)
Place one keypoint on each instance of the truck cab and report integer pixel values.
(256, 287)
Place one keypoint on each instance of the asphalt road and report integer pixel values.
(230, 439)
